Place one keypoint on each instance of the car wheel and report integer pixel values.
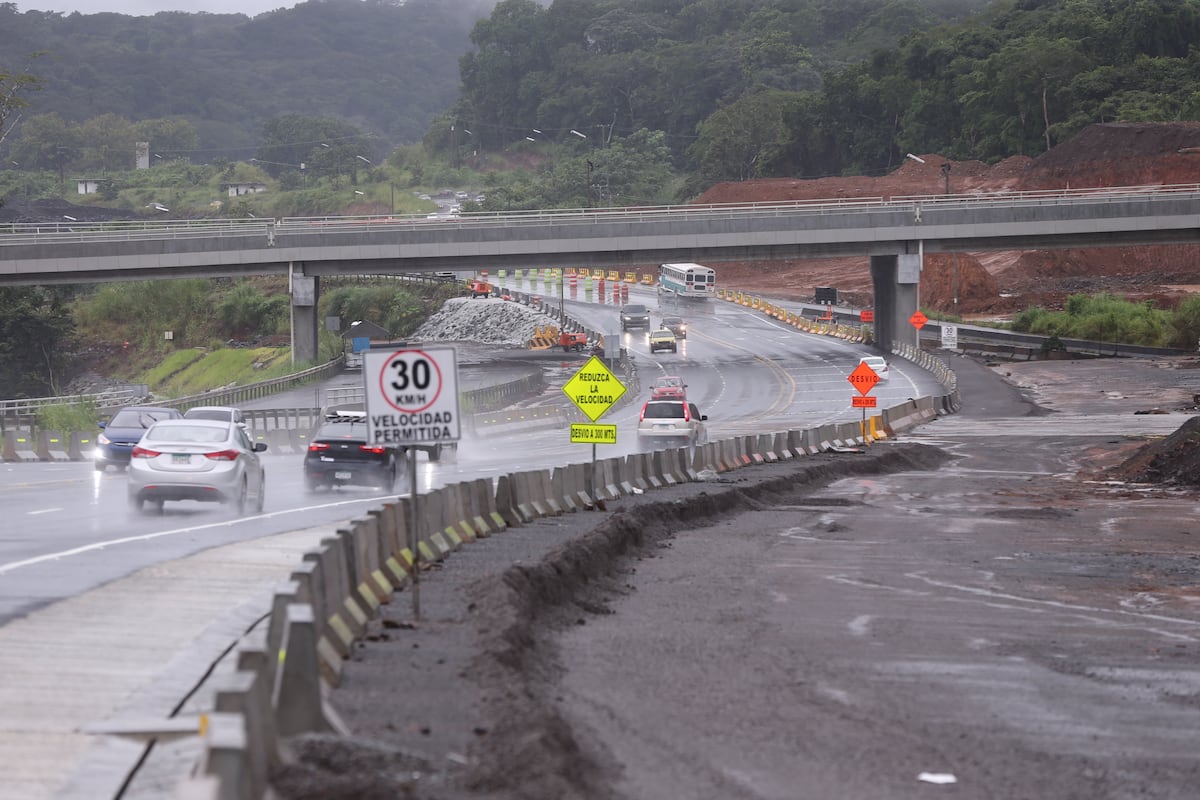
(100, 466)
(311, 486)
(135, 503)
(435, 454)
(243, 496)
(262, 493)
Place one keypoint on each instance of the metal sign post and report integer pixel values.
(411, 397)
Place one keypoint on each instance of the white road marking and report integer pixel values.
(43, 511)
(860, 625)
(13, 566)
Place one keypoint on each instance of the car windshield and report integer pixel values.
(634, 309)
(182, 432)
(663, 411)
(667, 381)
(137, 418)
(668, 321)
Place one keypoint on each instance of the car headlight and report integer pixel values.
(102, 439)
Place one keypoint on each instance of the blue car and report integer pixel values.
(119, 435)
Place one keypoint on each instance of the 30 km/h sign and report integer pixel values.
(594, 389)
(411, 396)
(863, 377)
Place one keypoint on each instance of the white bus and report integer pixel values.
(687, 280)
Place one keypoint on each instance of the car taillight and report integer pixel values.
(222, 455)
(687, 414)
(366, 448)
(143, 452)
(642, 415)
(317, 447)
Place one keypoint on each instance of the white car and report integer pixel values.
(221, 413)
(878, 364)
(671, 423)
(196, 459)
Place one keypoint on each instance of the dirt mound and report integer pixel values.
(1118, 154)
(55, 210)
(1174, 460)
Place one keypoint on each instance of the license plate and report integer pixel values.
(343, 476)
(181, 458)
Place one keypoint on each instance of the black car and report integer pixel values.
(635, 316)
(119, 434)
(339, 455)
(675, 325)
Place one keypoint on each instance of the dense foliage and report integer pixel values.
(1107, 318)
(386, 67)
(763, 88)
(37, 336)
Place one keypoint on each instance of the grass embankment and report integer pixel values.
(181, 374)
(192, 371)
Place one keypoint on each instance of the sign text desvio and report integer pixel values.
(411, 396)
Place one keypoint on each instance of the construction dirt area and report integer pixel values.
(996, 285)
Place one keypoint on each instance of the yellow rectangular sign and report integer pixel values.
(582, 433)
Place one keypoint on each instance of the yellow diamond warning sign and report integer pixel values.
(594, 389)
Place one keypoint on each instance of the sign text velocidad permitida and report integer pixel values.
(401, 428)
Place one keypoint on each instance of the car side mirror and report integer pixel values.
(102, 424)
(260, 447)
(704, 417)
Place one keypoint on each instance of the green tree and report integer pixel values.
(13, 88)
(172, 135)
(745, 139)
(37, 337)
(46, 141)
(106, 142)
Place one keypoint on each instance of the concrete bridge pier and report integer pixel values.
(896, 282)
(304, 289)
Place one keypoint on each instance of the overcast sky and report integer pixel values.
(144, 7)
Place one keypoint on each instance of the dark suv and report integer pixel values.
(119, 434)
(338, 455)
(635, 316)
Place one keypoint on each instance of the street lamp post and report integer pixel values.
(954, 284)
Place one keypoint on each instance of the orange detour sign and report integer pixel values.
(918, 319)
(866, 315)
(864, 378)
(863, 401)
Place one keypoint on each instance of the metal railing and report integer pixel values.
(110, 398)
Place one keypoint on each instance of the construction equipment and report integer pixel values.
(572, 341)
(480, 289)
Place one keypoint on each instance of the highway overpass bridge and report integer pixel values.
(892, 232)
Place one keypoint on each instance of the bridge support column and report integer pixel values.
(896, 282)
(305, 289)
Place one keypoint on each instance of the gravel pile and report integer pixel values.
(486, 320)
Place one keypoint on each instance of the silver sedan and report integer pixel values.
(196, 459)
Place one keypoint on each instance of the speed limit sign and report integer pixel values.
(411, 396)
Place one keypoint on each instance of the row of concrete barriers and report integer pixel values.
(287, 665)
